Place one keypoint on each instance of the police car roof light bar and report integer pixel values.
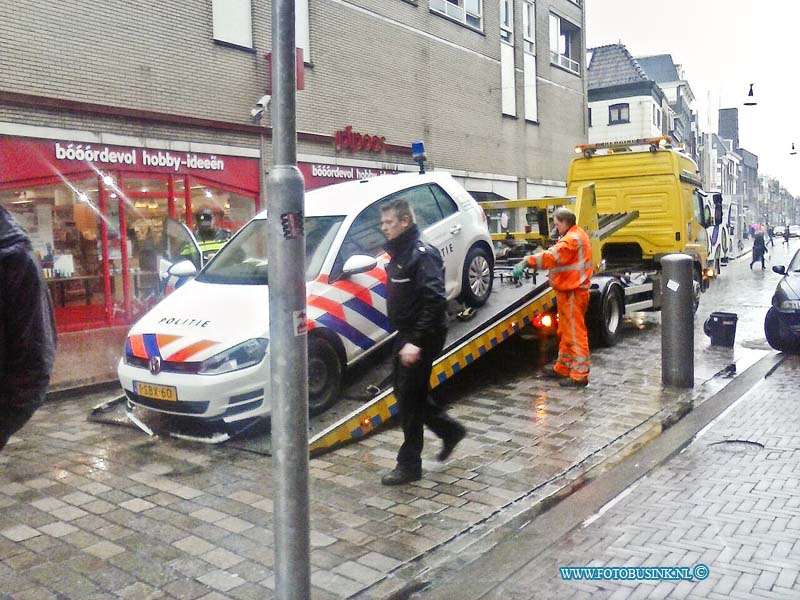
(418, 154)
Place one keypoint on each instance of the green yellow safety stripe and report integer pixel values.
(381, 409)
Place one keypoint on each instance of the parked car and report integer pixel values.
(778, 231)
(794, 230)
(782, 323)
(203, 350)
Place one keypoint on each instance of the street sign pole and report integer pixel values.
(287, 317)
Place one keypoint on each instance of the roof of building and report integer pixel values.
(660, 68)
(613, 65)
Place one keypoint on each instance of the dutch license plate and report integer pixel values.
(156, 392)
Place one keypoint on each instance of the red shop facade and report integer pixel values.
(96, 214)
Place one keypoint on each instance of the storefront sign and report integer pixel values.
(346, 139)
(318, 174)
(148, 158)
(24, 160)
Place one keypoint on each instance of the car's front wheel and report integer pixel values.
(477, 276)
(324, 375)
(777, 338)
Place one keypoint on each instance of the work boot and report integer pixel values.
(401, 475)
(451, 441)
(549, 373)
(573, 383)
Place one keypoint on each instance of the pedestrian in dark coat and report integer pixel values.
(759, 250)
(27, 329)
(417, 308)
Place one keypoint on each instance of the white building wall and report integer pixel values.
(640, 126)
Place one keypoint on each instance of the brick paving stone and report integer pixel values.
(19, 533)
(221, 580)
(104, 549)
(219, 557)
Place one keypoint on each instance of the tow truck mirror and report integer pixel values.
(358, 263)
(184, 268)
(779, 269)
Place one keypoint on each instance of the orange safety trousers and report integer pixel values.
(573, 345)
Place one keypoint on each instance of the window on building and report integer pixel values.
(677, 130)
(529, 26)
(468, 12)
(656, 116)
(233, 22)
(507, 21)
(529, 59)
(508, 84)
(565, 44)
(589, 116)
(619, 113)
(302, 32)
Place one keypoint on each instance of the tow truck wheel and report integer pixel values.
(324, 375)
(476, 280)
(607, 325)
(697, 289)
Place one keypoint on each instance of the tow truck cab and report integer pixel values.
(662, 185)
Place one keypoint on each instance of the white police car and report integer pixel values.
(203, 350)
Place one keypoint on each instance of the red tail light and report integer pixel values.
(546, 320)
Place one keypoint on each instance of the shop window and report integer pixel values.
(63, 225)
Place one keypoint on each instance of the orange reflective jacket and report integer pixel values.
(569, 261)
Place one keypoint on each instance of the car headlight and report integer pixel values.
(241, 356)
(789, 305)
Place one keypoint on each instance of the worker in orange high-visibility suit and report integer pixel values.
(569, 266)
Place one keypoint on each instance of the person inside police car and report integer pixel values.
(209, 237)
(417, 309)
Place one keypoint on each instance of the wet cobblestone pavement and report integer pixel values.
(89, 510)
(728, 501)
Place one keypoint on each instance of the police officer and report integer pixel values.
(569, 266)
(209, 238)
(416, 304)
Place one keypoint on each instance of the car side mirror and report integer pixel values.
(358, 263)
(779, 269)
(184, 268)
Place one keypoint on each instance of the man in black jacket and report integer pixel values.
(27, 330)
(417, 307)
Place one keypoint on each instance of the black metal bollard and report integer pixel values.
(677, 321)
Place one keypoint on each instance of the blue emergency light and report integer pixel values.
(418, 154)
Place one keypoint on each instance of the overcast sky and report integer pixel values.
(723, 46)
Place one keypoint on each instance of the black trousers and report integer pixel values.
(12, 418)
(416, 407)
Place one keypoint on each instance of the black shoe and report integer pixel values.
(548, 373)
(449, 443)
(401, 476)
(573, 383)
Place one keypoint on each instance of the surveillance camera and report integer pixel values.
(260, 107)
